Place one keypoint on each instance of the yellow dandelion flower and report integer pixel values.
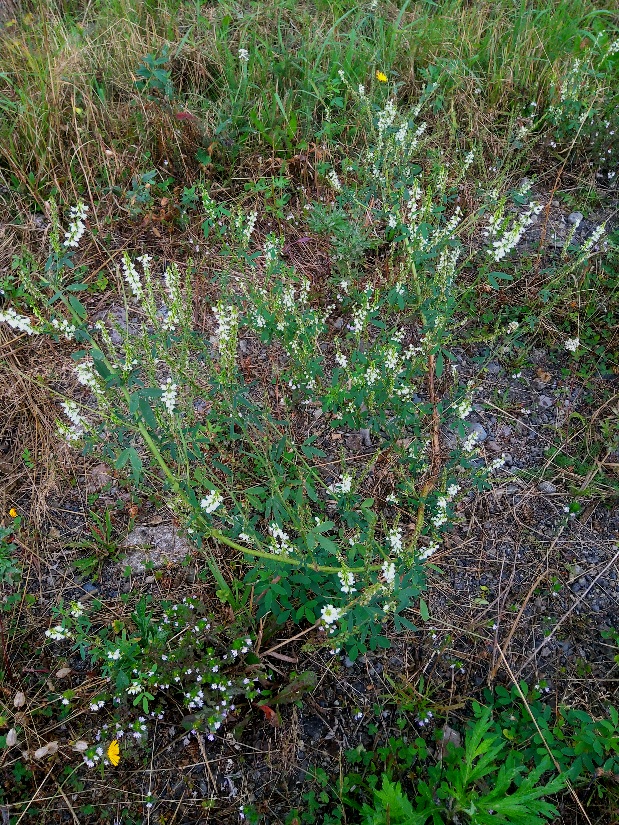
(113, 752)
(381, 76)
(13, 512)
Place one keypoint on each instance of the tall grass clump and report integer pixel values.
(74, 117)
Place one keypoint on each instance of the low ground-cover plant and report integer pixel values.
(133, 671)
(512, 756)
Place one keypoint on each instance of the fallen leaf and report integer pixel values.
(304, 683)
(11, 738)
(543, 376)
(448, 735)
(271, 715)
(64, 671)
(46, 750)
(80, 745)
(20, 699)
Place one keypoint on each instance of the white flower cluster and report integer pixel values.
(169, 390)
(333, 180)
(571, 344)
(64, 327)
(394, 539)
(512, 327)
(347, 582)
(212, 501)
(243, 55)
(86, 375)
(227, 324)
(248, 230)
(344, 485)
(58, 633)
(428, 551)
(77, 227)
(330, 614)
(496, 464)
(75, 430)
(359, 318)
(16, 321)
(468, 445)
(172, 279)
(592, 240)
(272, 248)
(440, 517)
(132, 277)
(386, 116)
(388, 569)
(392, 359)
(510, 237)
(372, 375)
(463, 408)
(400, 135)
(281, 540)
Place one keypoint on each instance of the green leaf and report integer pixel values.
(423, 609)
(439, 365)
(77, 307)
(147, 413)
(495, 277)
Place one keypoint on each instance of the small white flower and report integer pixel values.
(347, 581)
(333, 180)
(169, 390)
(428, 551)
(16, 321)
(389, 571)
(77, 226)
(243, 55)
(330, 614)
(344, 485)
(512, 327)
(114, 654)
(571, 344)
(394, 539)
(58, 633)
(212, 501)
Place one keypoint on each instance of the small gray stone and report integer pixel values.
(575, 218)
(158, 545)
(546, 487)
(508, 458)
(494, 446)
(348, 662)
(545, 402)
(482, 435)
(365, 437)
(494, 368)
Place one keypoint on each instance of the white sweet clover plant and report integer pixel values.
(369, 354)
